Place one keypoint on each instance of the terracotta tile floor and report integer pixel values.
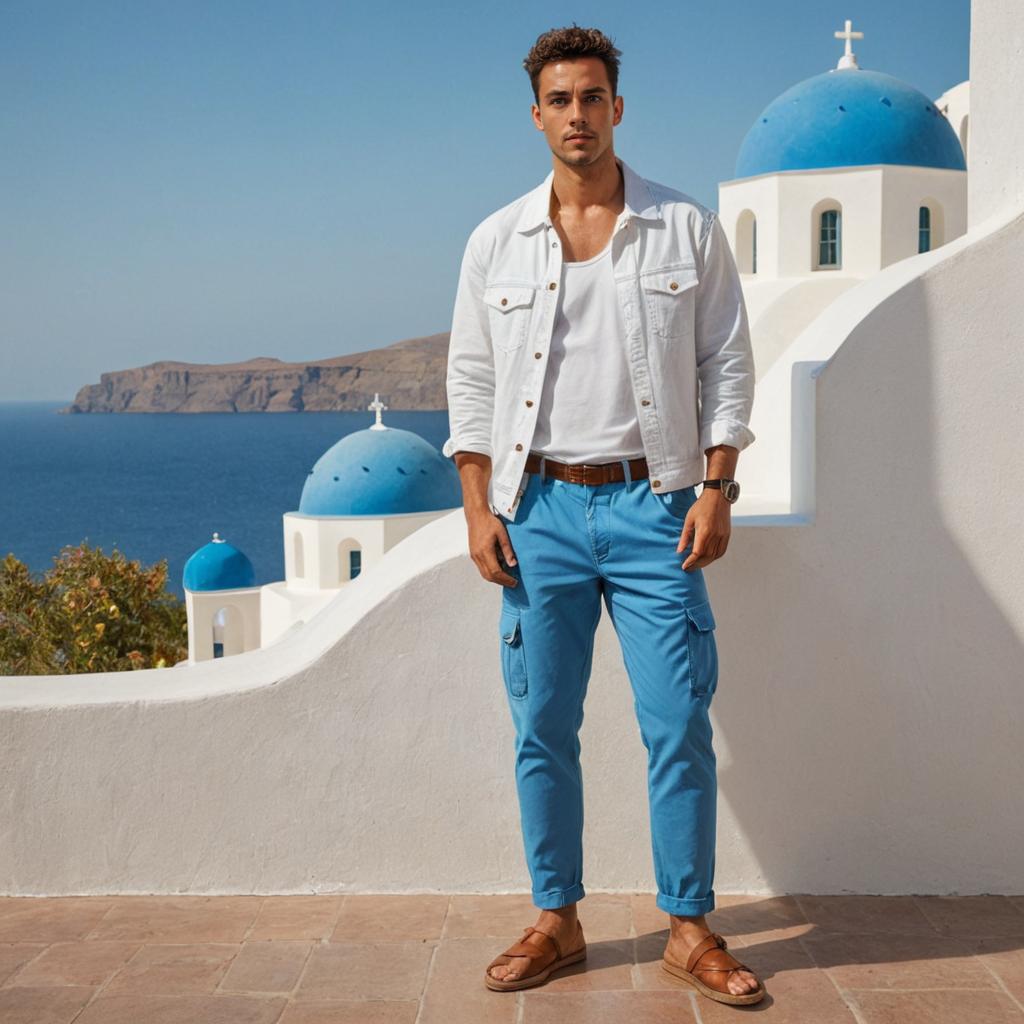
(420, 960)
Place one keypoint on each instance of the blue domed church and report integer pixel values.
(367, 492)
(841, 175)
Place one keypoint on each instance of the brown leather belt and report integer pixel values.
(582, 473)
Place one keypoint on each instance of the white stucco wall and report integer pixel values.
(955, 105)
(780, 309)
(995, 140)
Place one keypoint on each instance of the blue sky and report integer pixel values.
(221, 180)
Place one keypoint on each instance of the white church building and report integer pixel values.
(869, 610)
(363, 495)
(841, 175)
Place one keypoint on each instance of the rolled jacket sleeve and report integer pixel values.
(470, 378)
(725, 358)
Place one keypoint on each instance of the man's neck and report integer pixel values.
(574, 190)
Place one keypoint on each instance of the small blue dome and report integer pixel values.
(380, 472)
(849, 117)
(218, 566)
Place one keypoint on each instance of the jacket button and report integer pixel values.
(552, 286)
(529, 401)
(519, 447)
(673, 285)
(536, 355)
(655, 483)
(504, 302)
(644, 401)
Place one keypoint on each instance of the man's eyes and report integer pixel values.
(562, 99)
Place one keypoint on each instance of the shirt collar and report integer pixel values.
(639, 202)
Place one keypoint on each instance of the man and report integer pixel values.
(599, 348)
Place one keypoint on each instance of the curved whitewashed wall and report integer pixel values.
(876, 648)
(867, 721)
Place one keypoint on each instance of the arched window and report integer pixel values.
(218, 633)
(931, 224)
(829, 240)
(350, 560)
(924, 229)
(228, 628)
(746, 242)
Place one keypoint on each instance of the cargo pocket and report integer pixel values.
(703, 649)
(513, 656)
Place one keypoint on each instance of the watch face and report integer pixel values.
(731, 490)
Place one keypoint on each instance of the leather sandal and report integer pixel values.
(545, 959)
(717, 967)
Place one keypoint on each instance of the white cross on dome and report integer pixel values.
(849, 58)
(378, 406)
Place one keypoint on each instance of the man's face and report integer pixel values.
(576, 111)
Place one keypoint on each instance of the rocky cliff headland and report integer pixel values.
(408, 375)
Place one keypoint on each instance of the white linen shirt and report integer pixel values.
(687, 339)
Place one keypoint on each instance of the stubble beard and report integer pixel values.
(579, 158)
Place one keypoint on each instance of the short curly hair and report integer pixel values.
(568, 44)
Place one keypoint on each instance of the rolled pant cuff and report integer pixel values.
(687, 908)
(552, 899)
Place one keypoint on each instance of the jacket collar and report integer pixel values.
(639, 201)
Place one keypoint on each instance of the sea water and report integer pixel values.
(157, 485)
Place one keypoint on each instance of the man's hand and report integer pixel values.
(488, 536)
(708, 524)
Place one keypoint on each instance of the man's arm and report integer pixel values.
(475, 473)
(722, 461)
(470, 378)
(725, 367)
(725, 358)
(470, 384)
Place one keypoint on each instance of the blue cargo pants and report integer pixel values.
(574, 543)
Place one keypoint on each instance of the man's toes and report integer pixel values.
(508, 972)
(744, 983)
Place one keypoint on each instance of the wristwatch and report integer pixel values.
(730, 488)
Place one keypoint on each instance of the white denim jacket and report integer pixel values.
(687, 339)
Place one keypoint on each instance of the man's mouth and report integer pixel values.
(578, 138)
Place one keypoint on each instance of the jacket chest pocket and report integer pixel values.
(508, 309)
(669, 297)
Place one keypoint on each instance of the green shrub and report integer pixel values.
(89, 612)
